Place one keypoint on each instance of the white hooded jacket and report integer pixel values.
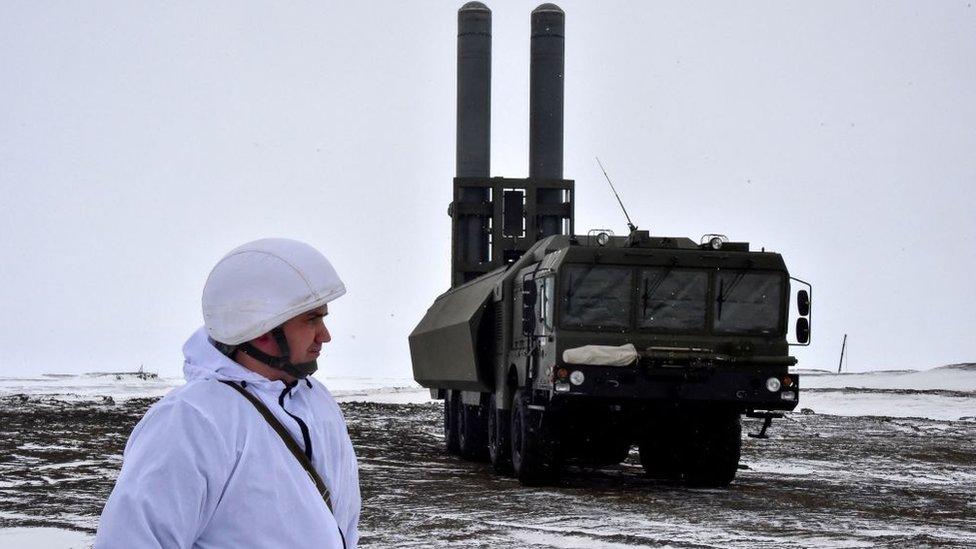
(203, 468)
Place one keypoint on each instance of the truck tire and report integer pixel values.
(661, 453)
(714, 445)
(499, 446)
(533, 456)
(472, 431)
(451, 401)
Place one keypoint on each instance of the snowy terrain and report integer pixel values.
(946, 393)
(118, 387)
(877, 459)
(121, 386)
(43, 538)
(934, 394)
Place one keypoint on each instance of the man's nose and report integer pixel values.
(323, 335)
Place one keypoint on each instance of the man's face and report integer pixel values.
(306, 333)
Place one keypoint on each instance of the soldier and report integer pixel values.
(252, 451)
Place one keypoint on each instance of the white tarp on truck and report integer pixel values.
(601, 355)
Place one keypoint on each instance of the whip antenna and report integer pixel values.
(629, 224)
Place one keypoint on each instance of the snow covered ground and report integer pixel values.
(43, 538)
(385, 390)
(97, 385)
(946, 393)
(955, 377)
(120, 386)
(858, 447)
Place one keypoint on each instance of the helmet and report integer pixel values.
(256, 287)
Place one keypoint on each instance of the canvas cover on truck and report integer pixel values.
(448, 347)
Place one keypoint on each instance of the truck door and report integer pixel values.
(544, 356)
(545, 310)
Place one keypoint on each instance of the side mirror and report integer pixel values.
(803, 329)
(529, 296)
(803, 302)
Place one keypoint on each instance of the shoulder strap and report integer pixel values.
(286, 438)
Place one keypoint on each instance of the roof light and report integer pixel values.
(715, 241)
(603, 239)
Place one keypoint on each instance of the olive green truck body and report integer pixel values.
(552, 347)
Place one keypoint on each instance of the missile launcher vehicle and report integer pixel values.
(552, 347)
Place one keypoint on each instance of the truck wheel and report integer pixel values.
(450, 422)
(660, 454)
(499, 447)
(714, 446)
(472, 431)
(533, 456)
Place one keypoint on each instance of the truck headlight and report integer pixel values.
(577, 377)
(602, 239)
(773, 384)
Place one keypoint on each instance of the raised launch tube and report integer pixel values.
(547, 67)
(473, 124)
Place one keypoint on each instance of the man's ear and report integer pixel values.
(267, 343)
(263, 342)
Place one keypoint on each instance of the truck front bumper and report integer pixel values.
(748, 388)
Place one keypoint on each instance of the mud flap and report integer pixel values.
(534, 452)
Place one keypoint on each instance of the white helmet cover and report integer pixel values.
(260, 285)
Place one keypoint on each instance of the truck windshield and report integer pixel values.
(597, 296)
(672, 299)
(747, 302)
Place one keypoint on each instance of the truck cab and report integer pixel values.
(655, 342)
(612, 319)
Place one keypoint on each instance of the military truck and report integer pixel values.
(552, 347)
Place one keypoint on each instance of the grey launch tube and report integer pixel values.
(473, 123)
(547, 66)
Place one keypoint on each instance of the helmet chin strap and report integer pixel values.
(300, 370)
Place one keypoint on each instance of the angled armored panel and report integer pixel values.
(451, 347)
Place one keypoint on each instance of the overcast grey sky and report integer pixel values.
(140, 142)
